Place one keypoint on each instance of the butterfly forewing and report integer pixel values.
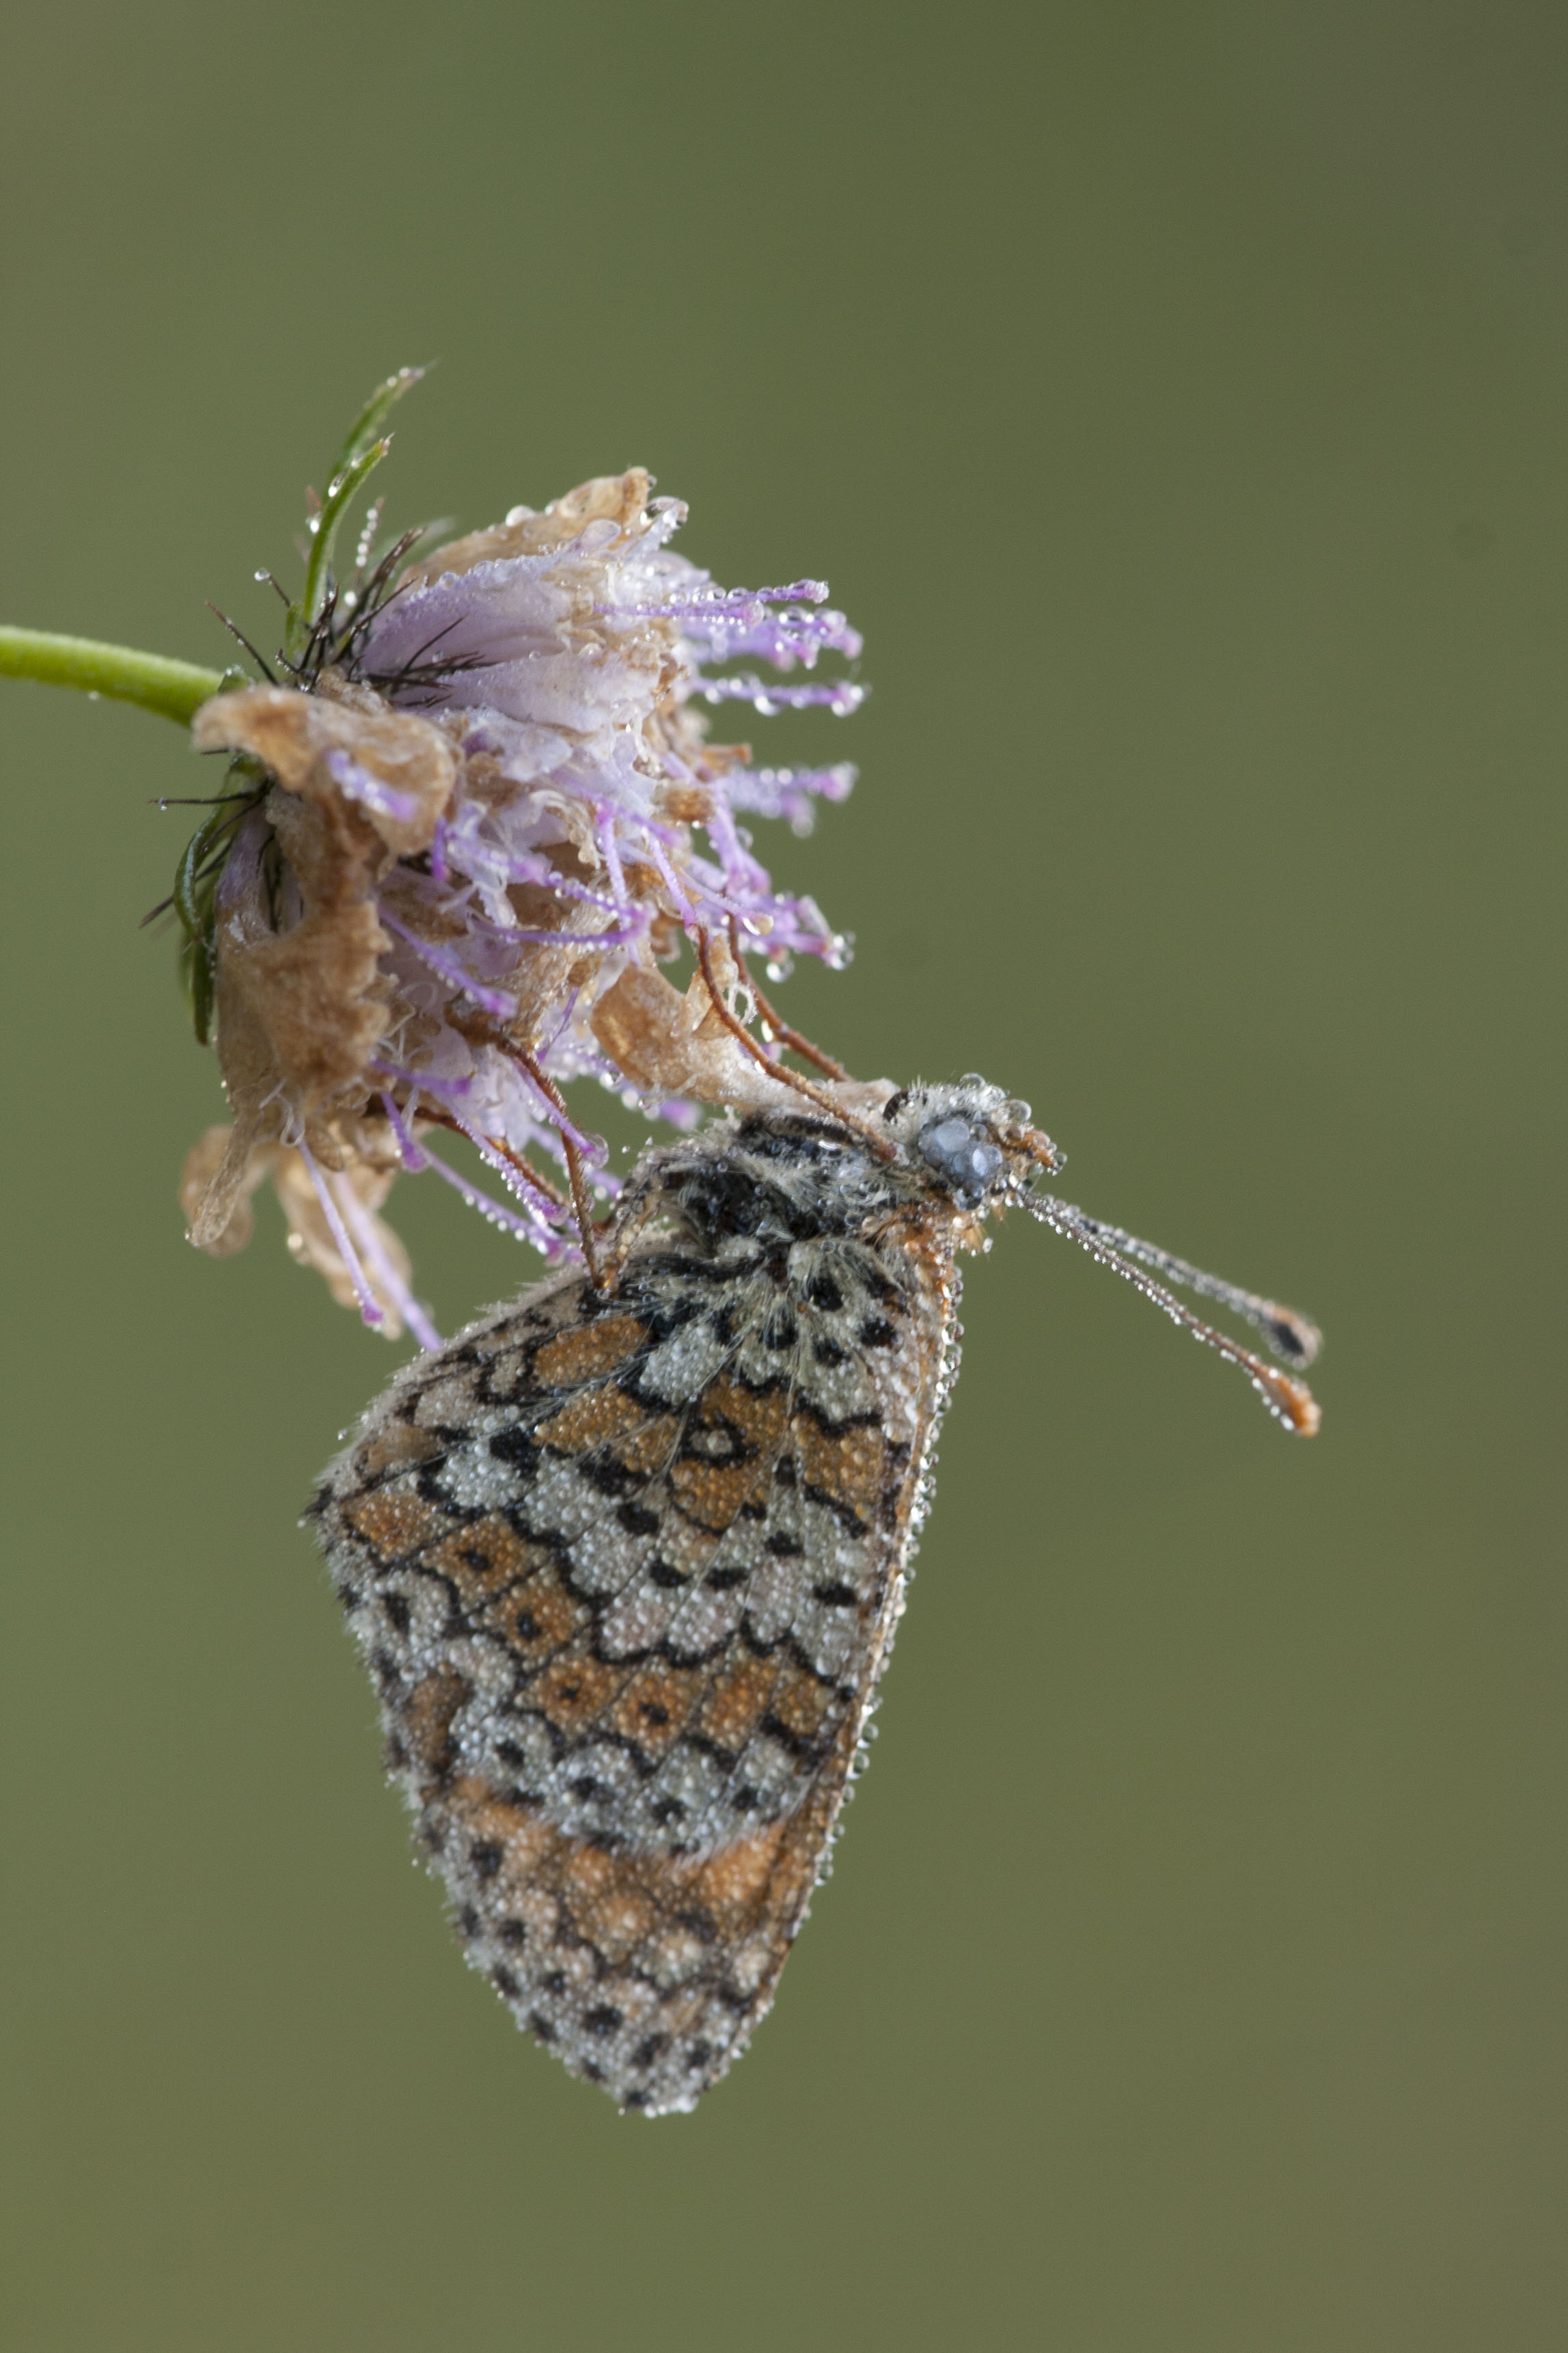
(626, 1570)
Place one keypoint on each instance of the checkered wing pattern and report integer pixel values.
(625, 1571)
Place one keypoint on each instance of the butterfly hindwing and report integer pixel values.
(626, 1570)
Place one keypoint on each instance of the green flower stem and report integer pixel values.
(175, 688)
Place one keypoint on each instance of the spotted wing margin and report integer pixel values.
(648, 1974)
(585, 1549)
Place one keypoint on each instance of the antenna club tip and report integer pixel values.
(1290, 1333)
(1296, 1406)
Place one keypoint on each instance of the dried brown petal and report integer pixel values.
(314, 994)
(300, 1009)
(360, 1154)
(668, 1043)
(293, 734)
(620, 498)
(203, 1161)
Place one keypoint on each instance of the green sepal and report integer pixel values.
(197, 983)
(360, 456)
(195, 896)
(366, 427)
(188, 877)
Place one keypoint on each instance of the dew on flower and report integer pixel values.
(479, 812)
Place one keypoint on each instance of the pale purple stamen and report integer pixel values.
(488, 1000)
(369, 1307)
(678, 891)
(605, 828)
(724, 903)
(739, 899)
(358, 785)
(495, 1211)
(706, 599)
(547, 1046)
(417, 1158)
(741, 869)
(412, 1153)
(621, 937)
(789, 792)
(442, 1089)
(512, 1177)
(782, 639)
(530, 867)
(580, 890)
(382, 1267)
(839, 695)
(547, 1130)
(591, 1147)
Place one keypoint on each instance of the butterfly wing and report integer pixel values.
(626, 1572)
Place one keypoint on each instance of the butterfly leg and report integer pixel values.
(780, 1028)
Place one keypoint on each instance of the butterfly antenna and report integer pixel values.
(1289, 1334)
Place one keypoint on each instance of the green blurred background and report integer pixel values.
(1178, 399)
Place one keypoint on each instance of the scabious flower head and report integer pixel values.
(467, 834)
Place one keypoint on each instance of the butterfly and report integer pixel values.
(625, 1558)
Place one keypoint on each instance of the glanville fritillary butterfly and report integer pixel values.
(625, 1558)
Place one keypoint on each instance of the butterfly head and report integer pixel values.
(970, 1139)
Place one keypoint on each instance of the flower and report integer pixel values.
(465, 837)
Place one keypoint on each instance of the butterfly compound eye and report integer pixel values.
(970, 1163)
